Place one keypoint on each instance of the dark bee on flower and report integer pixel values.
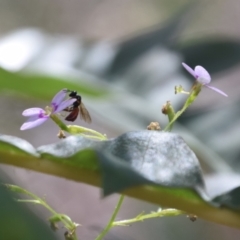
(77, 108)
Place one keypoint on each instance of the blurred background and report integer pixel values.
(124, 58)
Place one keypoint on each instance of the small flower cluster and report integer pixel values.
(38, 116)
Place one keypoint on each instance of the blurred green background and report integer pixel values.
(124, 58)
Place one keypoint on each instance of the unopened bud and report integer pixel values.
(167, 109)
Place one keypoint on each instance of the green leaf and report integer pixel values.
(44, 87)
(215, 55)
(229, 199)
(15, 146)
(151, 156)
(150, 165)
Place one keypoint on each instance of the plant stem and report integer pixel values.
(192, 96)
(71, 226)
(141, 217)
(62, 125)
(74, 129)
(111, 221)
(176, 116)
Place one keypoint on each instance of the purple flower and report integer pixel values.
(203, 77)
(38, 116)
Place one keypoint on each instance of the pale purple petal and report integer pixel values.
(33, 122)
(217, 90)
(32, 111)
(202, 75)
(190, 70)
(58, 98)
(64, 105)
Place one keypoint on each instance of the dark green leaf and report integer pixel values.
(150, 165)
(230, 199)
(159, 157)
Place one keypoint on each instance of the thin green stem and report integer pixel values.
(71, 226)
(61, 124)
(170, 113)
(42, 202)
(142, 217)
(176, 116)
(74, 236)
(192, 96)
(111, 221)
(74, 129)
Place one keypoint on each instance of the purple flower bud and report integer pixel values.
(203, 77)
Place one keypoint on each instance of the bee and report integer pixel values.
(77, 108)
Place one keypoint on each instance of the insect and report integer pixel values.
(77, 108)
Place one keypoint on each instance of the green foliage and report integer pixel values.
(19, 223)
(44, 87)
(154, 166)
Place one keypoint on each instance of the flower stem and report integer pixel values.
(62, 125)
(176, 116)
(68, 223)
(192, 96)
(141, 217)
(111, 221)
(74, 129)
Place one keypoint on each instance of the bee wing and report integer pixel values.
(84, 114)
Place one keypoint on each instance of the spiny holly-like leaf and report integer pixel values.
(149, 156)
(15, 146)
(159, 157)
(229, 199)
(154, 166)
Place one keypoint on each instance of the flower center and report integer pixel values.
(48, 111)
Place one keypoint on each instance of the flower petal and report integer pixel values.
(190, 70)
(202, 75)
(217, 90)
(32, 111)
(33, 122)
(64, 105)
(58, 98)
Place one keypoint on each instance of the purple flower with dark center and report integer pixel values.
(38, 116)
(202, 76)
